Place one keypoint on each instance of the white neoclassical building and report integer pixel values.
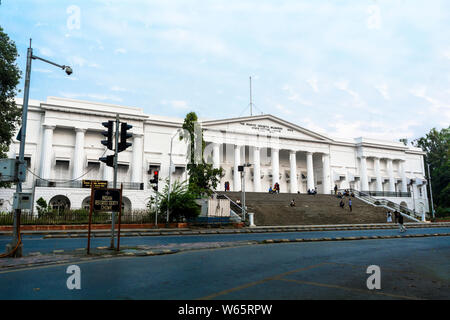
(63, 147)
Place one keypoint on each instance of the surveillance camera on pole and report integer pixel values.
(15, 247)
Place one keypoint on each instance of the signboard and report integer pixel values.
(106, 200)
(96, 183)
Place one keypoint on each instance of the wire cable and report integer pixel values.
(65, 181)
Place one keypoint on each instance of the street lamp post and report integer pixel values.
(431, 192)
(170, 174)
(23, 131)
(244, 209)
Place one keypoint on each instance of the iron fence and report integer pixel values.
(80, 217)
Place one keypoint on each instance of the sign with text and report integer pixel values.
(96, 183)
(107, 200)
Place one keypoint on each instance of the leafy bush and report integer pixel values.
(442, 212)
(182, 205)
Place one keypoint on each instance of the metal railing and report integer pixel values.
(365, 195)
(79, 184)
(233, 205)
(75, 217)
(389, 194)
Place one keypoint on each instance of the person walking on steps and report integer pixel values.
(400, 223)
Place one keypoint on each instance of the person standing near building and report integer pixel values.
(388, 217)
(350, 204)
(335, 189)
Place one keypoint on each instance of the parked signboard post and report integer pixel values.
(105, 200)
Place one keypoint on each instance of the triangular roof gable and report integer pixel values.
(259, 123)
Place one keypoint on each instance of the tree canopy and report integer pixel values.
(436, 144)
(203, 178)
(9, 79)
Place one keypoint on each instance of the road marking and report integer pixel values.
(254, 283)
(317, 284)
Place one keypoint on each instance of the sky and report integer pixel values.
(371, 68)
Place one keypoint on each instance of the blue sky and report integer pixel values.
(378, 69)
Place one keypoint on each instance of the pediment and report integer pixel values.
(264, 125)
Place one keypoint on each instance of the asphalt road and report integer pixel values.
(37, 243)
(411, 268)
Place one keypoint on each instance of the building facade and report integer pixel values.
(63, 147)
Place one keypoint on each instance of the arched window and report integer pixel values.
(60, 203)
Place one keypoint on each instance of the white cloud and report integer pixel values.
(45, 52)
(437, 106)
(295, 97)
(383, 90)
(313, 83)
(77, 61)
(283, 109)
(120, 51)
(343, 85)
(118, 89)
(176, 104)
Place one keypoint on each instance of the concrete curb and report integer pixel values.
(134, 233)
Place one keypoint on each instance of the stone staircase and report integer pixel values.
(274, 209)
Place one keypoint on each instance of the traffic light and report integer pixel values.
(108, 134)
(109, 160)
(124, 135)
(155, 180)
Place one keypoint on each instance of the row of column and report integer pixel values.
(379, 181)
(275, 159)
(78, 168)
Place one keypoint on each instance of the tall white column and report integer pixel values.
(78, 157)
(108, 172)
(47, 151)
(256, 170)
(136, 170)
(216, 155)
(309, 171)
(364, 179)
(326, 178)
(403, 174)
(390, 171)
(237, 174)
(293, 178)
(378, 175)
(275, 166)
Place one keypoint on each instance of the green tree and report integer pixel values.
(9, 79)
(436, 144)
(203, 178)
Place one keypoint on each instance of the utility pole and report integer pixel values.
(21, 162)
(431, 192)
(23, 131)
(251, 102)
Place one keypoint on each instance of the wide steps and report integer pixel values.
(275, 209)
